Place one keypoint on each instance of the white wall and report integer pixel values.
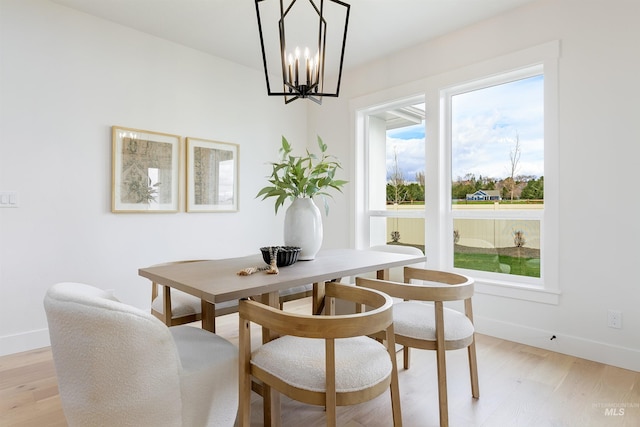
(598, 105)
(65, 79)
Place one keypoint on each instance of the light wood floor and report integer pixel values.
(519, 386)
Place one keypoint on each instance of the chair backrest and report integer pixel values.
(436, 285)
(329, 327)
(444, 285)
(116, 364)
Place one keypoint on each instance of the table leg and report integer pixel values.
(208, 316)
(270, 397)
(382, 274)
(317, 299)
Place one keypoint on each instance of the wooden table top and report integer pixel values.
(217, 280)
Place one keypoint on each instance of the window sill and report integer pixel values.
(519, 291)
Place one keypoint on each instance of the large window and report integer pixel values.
(497, 173)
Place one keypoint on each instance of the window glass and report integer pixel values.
(497, 176)
(396, 183)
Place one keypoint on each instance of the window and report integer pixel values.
(395, 152)
(497, 173)
(471, 224)
(498, 148)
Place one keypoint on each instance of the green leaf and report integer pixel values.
(302, 176)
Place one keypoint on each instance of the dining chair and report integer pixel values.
(422, 321)
(321, 360)
(117, 365)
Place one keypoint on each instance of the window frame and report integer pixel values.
(446, 96)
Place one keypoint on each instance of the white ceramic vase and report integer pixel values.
(303, 227)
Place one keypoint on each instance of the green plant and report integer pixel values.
(302, 176)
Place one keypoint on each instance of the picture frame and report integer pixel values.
(145, 171)
(212, 176)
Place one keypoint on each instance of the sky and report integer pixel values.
(408, 143)
(485, 125)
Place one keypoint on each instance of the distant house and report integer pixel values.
(485, 195)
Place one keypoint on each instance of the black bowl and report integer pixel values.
(287, 255)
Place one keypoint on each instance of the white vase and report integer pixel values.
(303, 227)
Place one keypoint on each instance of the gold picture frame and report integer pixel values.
(145, 171)
(212, 176)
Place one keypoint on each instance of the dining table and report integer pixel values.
(217, 281)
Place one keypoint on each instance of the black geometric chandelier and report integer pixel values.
(303, 44)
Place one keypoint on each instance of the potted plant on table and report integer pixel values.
(299, 179)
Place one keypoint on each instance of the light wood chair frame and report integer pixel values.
(455, 287)
(328, 327)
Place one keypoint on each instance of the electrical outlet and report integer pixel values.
(614, 319)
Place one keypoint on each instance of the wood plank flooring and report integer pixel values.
(519, 386)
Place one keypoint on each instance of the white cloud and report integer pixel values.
(486, 123)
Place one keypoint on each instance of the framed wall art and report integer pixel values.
(145, 171)
(212, 176)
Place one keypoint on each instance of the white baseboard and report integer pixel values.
(10, 344)
(622, 357)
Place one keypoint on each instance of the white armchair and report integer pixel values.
(120, 366)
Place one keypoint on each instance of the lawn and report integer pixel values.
(470, 258)
(491, 262)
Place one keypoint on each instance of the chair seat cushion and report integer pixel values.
(417, 320)
(183, 304)
(361, 362)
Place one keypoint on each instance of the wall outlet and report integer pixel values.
(614, 319)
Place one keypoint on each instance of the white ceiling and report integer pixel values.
(228, 28)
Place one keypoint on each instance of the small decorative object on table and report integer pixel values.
(286, 255)
(275, 256)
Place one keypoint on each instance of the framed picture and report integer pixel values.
(145, 171)
(212, 176)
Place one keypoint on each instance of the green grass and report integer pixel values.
(490, 262)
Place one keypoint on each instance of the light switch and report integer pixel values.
(8, 199)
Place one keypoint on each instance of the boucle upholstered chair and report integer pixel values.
(321, 360)
(422, 325)
(120, 366)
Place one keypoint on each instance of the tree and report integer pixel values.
(514, 157)
(534, 189)
(396, 190)
(420, 179)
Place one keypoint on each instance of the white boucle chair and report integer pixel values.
(120, 366)
(321, 360)
(431, 326)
